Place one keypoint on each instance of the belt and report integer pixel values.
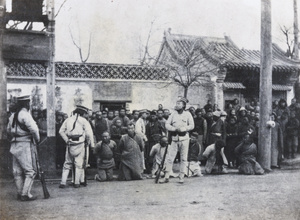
(75, 137)
(181, 134)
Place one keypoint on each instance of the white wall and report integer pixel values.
(145, 94)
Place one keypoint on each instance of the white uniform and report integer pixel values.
(23, 133)
(76, 135)
(180, 140)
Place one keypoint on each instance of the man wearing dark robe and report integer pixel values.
(101, 126)
(124, 119)
(104, 152)
(131, 147)
(246, 153)
(154, 131)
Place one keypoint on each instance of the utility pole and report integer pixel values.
(296, 31)
(3, 78)
(51, 71)
(265, 92)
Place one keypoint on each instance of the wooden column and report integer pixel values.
(265, 92)
(296, 31)
(51, 71)
(3, 78)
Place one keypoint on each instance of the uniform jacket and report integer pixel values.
(183, 121)
(17, 133)
(82, 129)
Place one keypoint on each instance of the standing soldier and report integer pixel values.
(179, 124)
(23, 130)
(78, 134)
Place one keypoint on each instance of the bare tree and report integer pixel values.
(146, 51)
(193, 66)
(288, 32)
(60, 7)
(78, 46)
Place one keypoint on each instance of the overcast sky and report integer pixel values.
(119, 28)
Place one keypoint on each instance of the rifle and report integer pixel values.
(85, 162)
(161, 166)
(40, 172)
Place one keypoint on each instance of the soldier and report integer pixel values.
(23, 130)
(76, 132)
(179, 124)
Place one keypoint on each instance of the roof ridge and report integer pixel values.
(280, 53)
(195, 36)
(107, 64)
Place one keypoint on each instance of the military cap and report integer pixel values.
(80, 107)
(23, 98)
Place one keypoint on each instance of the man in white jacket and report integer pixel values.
(76, 132)
(23, 131)
(179, 124)
(140, 128)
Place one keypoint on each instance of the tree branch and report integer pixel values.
(60, 8)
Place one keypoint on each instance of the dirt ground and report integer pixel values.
(272, 196)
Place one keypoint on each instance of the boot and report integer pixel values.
(64, 177)
(19, 184)
(27, 186)
(79, 173)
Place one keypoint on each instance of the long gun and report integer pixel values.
(41, 173)
(161, 166)
(85, 162)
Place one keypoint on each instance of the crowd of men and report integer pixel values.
(136, 143)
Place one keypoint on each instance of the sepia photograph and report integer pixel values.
(149, 109)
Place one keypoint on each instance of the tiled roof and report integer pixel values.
(88, 70)
(223, 51)
(232, 85)
(277, 87)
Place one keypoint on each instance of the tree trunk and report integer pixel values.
(296, 31)
(3, 79)
(51, 73)
(185, 92)
(265, 93)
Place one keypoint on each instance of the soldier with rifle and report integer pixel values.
(23, 131)
(76, 132)
(179, 124)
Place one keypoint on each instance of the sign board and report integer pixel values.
(109, 91)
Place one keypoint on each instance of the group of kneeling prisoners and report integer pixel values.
(140, 147)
